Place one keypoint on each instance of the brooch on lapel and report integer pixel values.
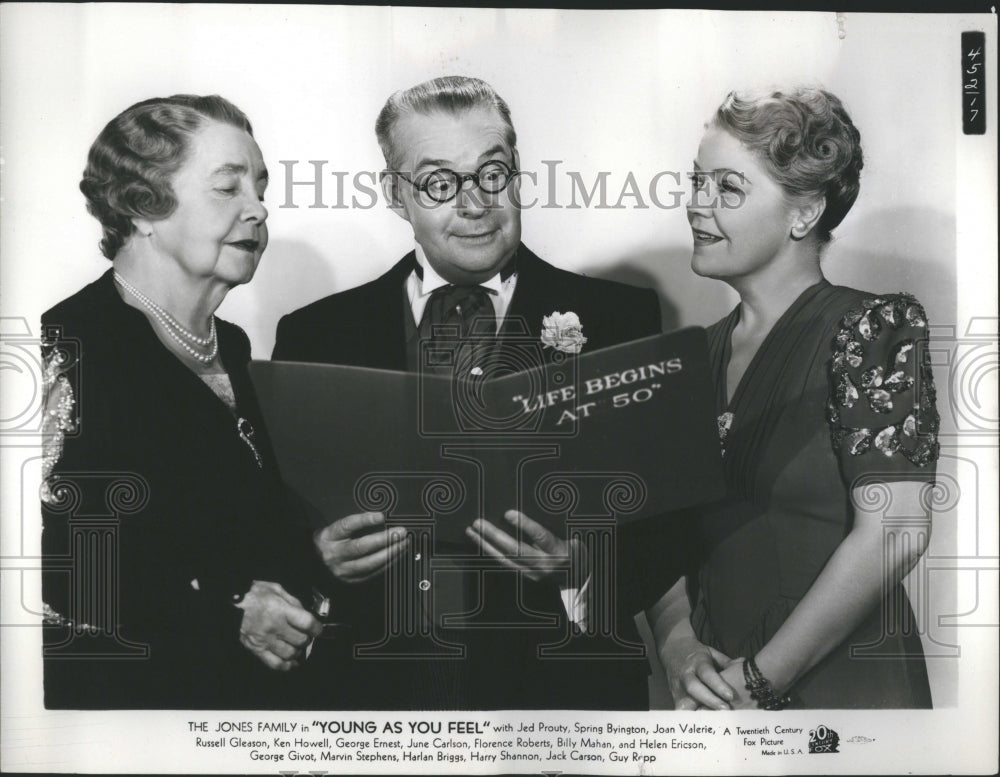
(563, 331)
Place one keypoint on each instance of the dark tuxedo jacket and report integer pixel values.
(365, 327)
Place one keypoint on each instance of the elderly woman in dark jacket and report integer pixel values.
(175, 574)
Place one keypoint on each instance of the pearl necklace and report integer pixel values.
(182, 336)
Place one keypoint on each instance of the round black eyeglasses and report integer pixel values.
(443, 185)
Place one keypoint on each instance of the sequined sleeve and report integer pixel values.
(60, 421)
(59, 410)
(881, 408)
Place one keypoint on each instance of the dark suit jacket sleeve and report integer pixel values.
(353, 603)
(283, 340)
(628, 313)
(648, 314)
(308, 334)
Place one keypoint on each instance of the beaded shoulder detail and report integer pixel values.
(59, 406)
(881, 380)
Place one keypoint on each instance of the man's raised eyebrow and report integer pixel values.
(447, 164)
(498, 148)
(432, 163)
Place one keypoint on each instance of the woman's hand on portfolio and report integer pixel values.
(276, 627)
(359, 547)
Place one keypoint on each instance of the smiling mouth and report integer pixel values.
(246, 245)
(704, 238)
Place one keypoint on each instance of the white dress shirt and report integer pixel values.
(419, 291)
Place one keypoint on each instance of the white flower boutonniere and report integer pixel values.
(563, 331)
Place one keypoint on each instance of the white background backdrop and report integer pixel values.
(600, 91)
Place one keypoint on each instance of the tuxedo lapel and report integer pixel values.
(531, 295)
(537, 284)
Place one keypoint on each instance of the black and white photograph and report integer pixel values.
(497, 390)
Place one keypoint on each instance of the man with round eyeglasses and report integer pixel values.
(452, 172)
(443, 185)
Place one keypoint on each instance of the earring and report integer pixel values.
(795, 237)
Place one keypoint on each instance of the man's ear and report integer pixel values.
(514, 186)
(807, 217)
(390, 188)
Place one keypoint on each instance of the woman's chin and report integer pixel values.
(238, 274)
(702, 265)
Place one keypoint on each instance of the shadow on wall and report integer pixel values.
(887, 250)
(291, 274)
(686, 299)
(893, 250)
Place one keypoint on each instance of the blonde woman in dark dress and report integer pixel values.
(826, 404)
